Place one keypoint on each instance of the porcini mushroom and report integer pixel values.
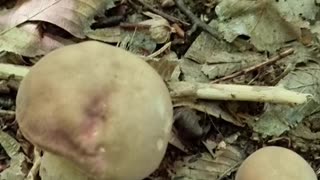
(95, 110)
(275, 163)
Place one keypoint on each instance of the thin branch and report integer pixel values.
(196, 21)
(257, 66)
(167, 16)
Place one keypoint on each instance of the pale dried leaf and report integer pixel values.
(268, 24)
(26, 40)
(204, 167)
(15, 171)
(204, 47)
(223, 63)
(297, 8)
(9, 144)
(72, 15)
(191, 71)
(17, 159)
(316, 29)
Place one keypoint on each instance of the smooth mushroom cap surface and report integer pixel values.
(99, 106)
(54, 167)
(275, 163)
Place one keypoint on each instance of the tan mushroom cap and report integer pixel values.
(99, 106)
(275, 163)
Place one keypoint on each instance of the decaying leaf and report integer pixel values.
(280, 118)
(269, 24)
(204, 47)
(223, 63)
(9, 144)
(15, 171)
(204, 167)
(191, 71)
(306, 137)
(316, 29)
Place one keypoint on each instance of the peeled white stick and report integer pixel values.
(236, 92)
(224, 92)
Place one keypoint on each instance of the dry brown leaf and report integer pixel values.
(203, 166)
(26, 40)
(72, 15)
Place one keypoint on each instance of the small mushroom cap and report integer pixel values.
(99, 106)
(275, 163)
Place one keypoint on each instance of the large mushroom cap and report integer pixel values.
(275, 163)
(99, 106)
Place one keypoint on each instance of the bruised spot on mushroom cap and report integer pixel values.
(98, 106)
(275, 163)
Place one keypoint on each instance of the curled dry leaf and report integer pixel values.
(160, 29)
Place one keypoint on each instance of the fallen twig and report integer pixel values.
(215, 91)
(196, 21)
(257, 66)
(236, 93)
(167, 16)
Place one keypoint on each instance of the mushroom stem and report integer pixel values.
(53, 166)
(226, 92)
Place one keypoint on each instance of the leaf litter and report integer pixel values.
(228, 42)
